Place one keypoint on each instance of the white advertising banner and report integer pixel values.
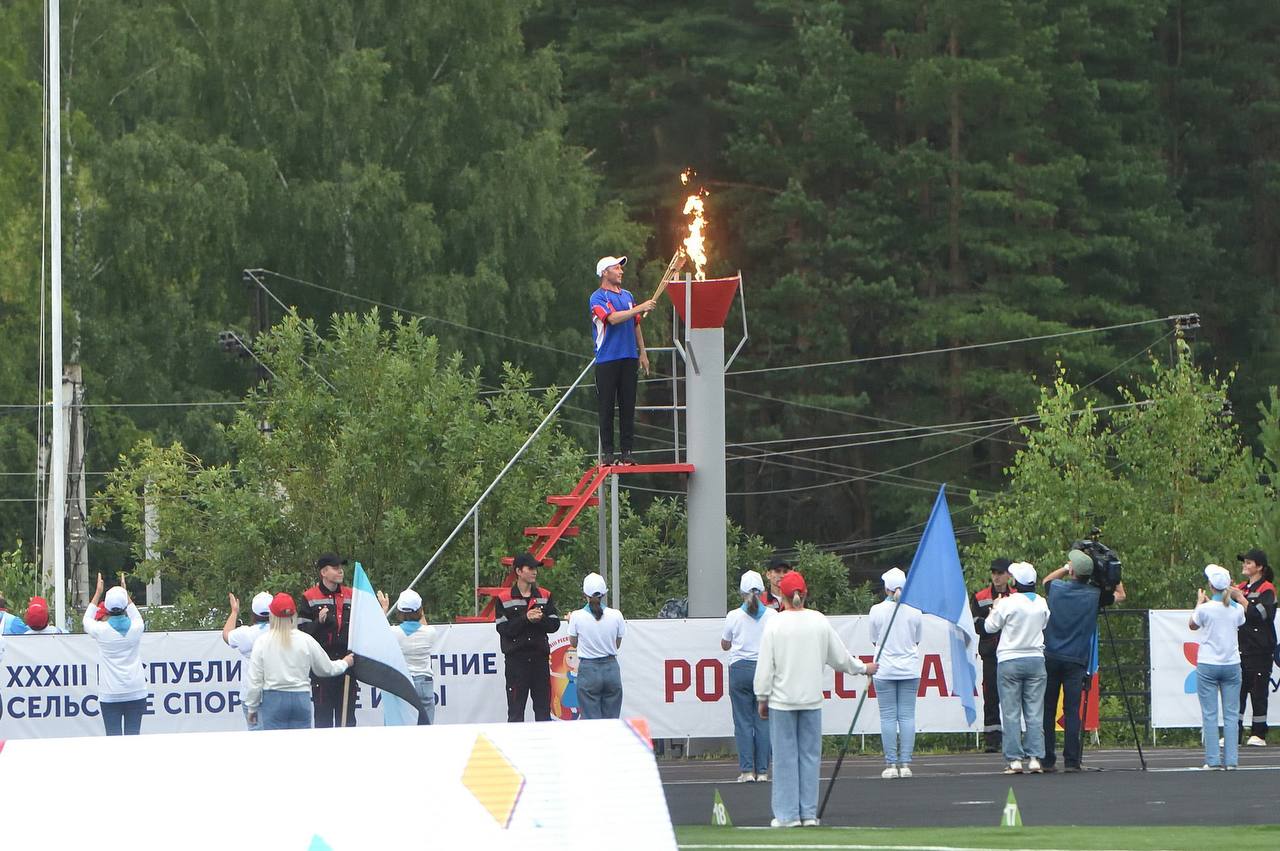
(1174, 647)
(673, 672)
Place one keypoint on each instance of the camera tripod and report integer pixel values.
(1124, 692)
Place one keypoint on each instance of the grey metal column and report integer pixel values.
(615, 576)
(704, 430)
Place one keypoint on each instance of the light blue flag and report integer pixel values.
(935, 586)
(379, 660)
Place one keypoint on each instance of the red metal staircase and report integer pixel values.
(567, 509)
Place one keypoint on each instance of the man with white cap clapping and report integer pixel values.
(1022, 617)
(417, 641)
(242, 638)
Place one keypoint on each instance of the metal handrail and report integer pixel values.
(514, 458)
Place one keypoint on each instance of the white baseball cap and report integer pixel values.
(262, 603)
(751, 581)
(893, 579)
(1024, 573)
(1219, 577)
(593, 585)
(607, 261)
(409, 601)
(117, 600)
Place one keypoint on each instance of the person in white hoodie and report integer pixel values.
(1218, 616)
(242, 638)
(417, 640)
(795, 649)
(280, 668)
(743, 628)
(122, 689)
(1021, 618)
(899, 674)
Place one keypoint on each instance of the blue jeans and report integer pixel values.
(285, 710)
(750, 731)
(797, 745)
(1067, 678)
(1214, 682)
(897, 718)
(425, 686)
(123, 718)
(1022, 684)
(599, 688)
(251, 725)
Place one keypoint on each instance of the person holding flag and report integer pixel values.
(417, 640)
(899, 675)
(325, 615)
(280, 670)
(795, 649)
(1022, 618)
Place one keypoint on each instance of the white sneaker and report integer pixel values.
(746, 777)
(1256, 742)
(1033, 765)
(904, 771)
(1231, 768)
(889, 772)
(1221, 741)
(810, 822)
(1208, 767)
(788, 823)
(762, 778)
(1014, 767)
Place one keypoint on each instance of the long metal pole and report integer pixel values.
(58, 481)
(514, 458)
(475, 559)
(616, 549)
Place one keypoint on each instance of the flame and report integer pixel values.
(695, 246)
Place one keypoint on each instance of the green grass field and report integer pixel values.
(959, 838)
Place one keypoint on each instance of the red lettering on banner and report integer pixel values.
(672, 668)
(842, 691)
(717, 690)
(932, 677)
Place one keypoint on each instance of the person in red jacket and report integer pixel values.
(325, 615)
(526, 616)
(1257, 641)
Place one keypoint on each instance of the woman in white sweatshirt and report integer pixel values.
(899, 674)
(1218, 617)
(122, 689)
(1020, 619)
(279, 671)
(795, 649)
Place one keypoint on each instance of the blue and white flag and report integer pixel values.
(379, 659)
(935, 586)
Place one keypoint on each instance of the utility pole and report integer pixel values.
(54, 555)
(150, 534)
(77, 498)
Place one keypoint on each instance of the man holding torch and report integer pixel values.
(620, 354)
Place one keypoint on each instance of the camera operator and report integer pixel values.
(1068, 644)
(980, 603)
(1257, 641)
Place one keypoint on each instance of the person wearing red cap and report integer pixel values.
(795, 649)
(280, 670)
(38, 618)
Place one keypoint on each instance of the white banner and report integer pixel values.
(673, 672)
(1174, 647)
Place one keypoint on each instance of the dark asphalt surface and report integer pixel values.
(970, 790)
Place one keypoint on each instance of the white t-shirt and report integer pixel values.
(120, 674)
(597, 638)
(416, 642)
(1020, 619)
(743, 633)
(242, 639)
(795, 650)
(900, 658)
(1219, 639)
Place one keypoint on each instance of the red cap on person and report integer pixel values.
(793, 582)
(38, 613)
(282, 605)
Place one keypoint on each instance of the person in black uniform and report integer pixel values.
(325, 615)
(526, 616)
(1257, 641)
(980, 605)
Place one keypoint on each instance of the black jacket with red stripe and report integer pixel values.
(1258, 633)
(980, 605)
(521, 637)
(332, 634)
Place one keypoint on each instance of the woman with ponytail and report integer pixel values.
(596, 632)
(741, 637)
(280, 669)
(1219, 614)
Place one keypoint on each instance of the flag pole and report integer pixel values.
(346, 698)
(844, 748)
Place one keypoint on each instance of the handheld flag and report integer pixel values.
(379, 660)
(935, 586)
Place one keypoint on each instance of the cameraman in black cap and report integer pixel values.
(325, 615)
(1257, 641)
(980, 605)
